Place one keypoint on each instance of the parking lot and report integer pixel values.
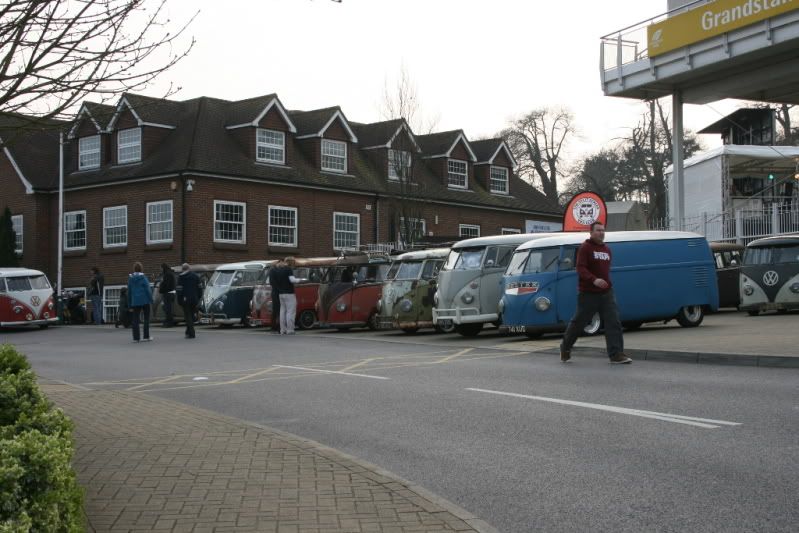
(495, 423)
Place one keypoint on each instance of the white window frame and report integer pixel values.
(327, 143)
(243, 223)
(462, 227)
(84, 230)
(110, 303)
(465, 174)
(18, 224)
(86, 154)
(511, 231)
(357, 232)
(415, 220)
(491, 180)
(293, 243)
(270, 145)
(106, 227)
(149, 223)
(128, 144)
(406, 161)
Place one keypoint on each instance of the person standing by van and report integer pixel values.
(140, 298)
(189, 294)
(595, 295)
(167, 290)
(95, 294)
(284, 282)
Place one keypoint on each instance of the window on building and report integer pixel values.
(399, 165)
(159, 222)
(129, 145)
(75, 230)
(230, 221)
(334, 155)
(89, 152)
(270, 146)
(411, 229)
(498, 181)
(346, 230)
(111, 303)
(16, 223)
(510, 231)
(457, 173)
(282, 226)
(468, 230)
(115, 226)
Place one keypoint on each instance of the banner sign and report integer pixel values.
(584, 209)
(710, 20)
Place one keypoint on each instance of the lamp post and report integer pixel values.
(60, 217)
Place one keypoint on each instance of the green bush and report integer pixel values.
(38, 487)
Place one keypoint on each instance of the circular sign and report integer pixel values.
(771, 278)
(586, 211)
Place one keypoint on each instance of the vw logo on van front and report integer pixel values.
(35, 300)
(771, 278)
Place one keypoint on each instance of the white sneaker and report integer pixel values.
(147, 339)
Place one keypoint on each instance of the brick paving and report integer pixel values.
(149, 464)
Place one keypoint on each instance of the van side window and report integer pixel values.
(491, 257)
(2, 285)
(719, 260)
(517, 263)
(504, 253)
(569, 253)
(542, 260)
(431, 269)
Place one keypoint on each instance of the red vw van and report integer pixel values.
(307, 292)
(26, 298)
(350, 290)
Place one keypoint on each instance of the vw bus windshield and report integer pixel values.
(465, 259)
(2, 284)
(392, 271)
(246, 278)
(517, 262)
(773, 255)
(27, 283)
(431, 269)
(409, 270)
(221, 278)
(543, 260)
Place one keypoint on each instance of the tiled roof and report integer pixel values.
(485, 149)
(34, 148)
(101, 113)
(200, 143)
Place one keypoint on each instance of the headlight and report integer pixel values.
(795, 288)
(219, 305)
(542, 303)
(406, 305)
(46, 314)
(749, 290)
(29, 317)
(341, 307)
(435, 298)
(467, 298)
(50, 306)
(17, 309)
(380, 304)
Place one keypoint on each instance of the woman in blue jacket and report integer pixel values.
(139, 299)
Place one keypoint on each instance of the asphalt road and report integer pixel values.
(522, 441)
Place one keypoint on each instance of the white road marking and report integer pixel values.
(359, 364)
(453, 356)
(331, 372)
(667, 417)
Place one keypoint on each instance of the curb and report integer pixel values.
(702, 358)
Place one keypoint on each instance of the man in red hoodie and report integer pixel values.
(595, 294)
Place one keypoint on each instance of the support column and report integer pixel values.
(677, 192)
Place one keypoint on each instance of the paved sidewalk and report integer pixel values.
(149, 464)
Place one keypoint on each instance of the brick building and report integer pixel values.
(212, 181)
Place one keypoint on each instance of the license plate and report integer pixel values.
(771, 306)
(445, 323)
(205, 320)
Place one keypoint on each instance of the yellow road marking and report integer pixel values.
(249, 376)
(356, 365)
(453, 356)
(165, 380)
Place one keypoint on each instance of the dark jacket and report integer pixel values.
(139, 290)
(281, 279)
(189, 291)
(167, 282)
(96, 284)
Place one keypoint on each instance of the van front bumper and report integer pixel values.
(463, 315)
(219, 319)
(37, 322)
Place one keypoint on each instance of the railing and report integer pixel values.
(629, 44)
(740, 225)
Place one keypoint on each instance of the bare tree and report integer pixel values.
(54, 54)
(537, 141)
(401, 100)
(598, 172)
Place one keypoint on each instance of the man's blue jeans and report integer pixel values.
(97, 308)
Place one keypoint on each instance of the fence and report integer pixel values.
(740, 225)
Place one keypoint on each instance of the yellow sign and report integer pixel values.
(710, 20)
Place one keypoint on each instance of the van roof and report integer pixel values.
(611, 236)
(432, 253)
(775, 240)
(513, 239)
(245, 265)
(9, 271)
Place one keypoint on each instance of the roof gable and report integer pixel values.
(155, 112)
(315, 123)
(487, 151)
(442, 144)
(258, 108)
(383, 134)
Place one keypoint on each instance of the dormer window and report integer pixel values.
(270, 146)
(129, 145)
(498, 180)
(334, 156)
(399, 165)
(457, 174)
(89, 152)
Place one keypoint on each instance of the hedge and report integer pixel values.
(38, 487)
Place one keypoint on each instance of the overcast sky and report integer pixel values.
(476, 64)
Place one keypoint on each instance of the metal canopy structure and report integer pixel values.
(742, 49)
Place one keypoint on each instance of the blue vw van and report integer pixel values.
(656, 275)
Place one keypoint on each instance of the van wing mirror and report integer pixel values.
(566, 262)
